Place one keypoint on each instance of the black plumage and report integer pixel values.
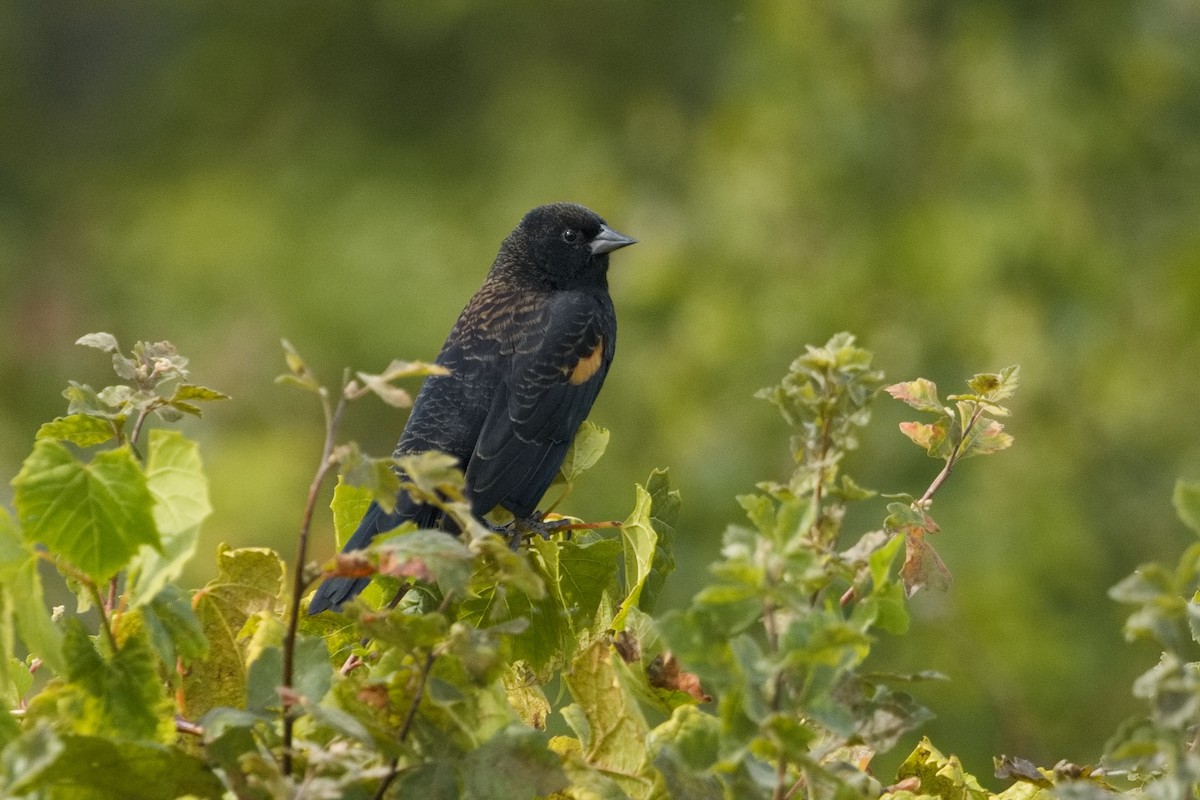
(527, 358)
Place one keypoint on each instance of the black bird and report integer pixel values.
(527, 358)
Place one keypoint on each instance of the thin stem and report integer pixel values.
(819, 483)
(951, 459)
(409, 718)
(137, 430)
(333, 417)
(105, 628)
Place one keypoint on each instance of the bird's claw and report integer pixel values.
(534, 525)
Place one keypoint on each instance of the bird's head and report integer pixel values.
(565, 244)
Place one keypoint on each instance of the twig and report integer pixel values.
(406, 727)
(951, 459)
(333, 417)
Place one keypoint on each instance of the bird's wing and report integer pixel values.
(557, 370)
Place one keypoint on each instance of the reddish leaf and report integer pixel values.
(666, 673)
(930, 436)
(921, 394)
(923, 567)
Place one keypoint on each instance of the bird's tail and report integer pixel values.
(336, 590)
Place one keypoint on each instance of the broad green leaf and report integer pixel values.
(94, 515)
(100, 340)
(79, 429)
(250, 581)
(996, 386)
(526, 696)
(21, 586)
(262, 681)
(83, 399)
(100, 768)
(119, 694)
(349, 504)
(664, 511)
(577, 575)
(607, 720)
(376, 475)
(173, 627)
(515, 764)
(185, 398)
(193, 393)
(939, 775)
(543, 644)
(694, 734)
(986, 437)
(426, 555)
(1186, 499)
(588, 446)
(682, 779)
(433, 473)
(175, 477)
(921, 394)
(639, 542)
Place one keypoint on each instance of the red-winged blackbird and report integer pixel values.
(527, 358)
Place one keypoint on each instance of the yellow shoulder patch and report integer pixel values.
(587, 366)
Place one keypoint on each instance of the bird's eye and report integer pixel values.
(570, 236)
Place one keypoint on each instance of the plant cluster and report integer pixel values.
(468, 669)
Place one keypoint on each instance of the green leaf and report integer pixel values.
(349, 504)
(1186, 500)
(527, 767)
(607, 720)
(426, 555)
(249, 582)
(639, 541)
(665, 503)
(83, 399)
(119, 696)
(939, 775)
(187, 395)
(300, 375)
(94, 515)
(577, 576)
(175, 477)
(173, 627)
(586, 448)
(78, 429)
(993, 387)
(921, 394)
(986, 437)
(262, 681)
(101, 341)
(376, 475)
(695, 735)
(99, 768)
(394, 396)
(21, 588)
(432, 474)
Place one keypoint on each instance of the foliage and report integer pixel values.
(961, 184)
(435, 683)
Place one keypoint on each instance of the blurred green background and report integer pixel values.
(963, 185)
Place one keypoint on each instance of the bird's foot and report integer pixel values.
(537, 525)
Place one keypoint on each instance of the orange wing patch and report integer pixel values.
(587, 366)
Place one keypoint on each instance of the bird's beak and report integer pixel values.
(608, 240)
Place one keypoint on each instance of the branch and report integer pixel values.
(333, 417)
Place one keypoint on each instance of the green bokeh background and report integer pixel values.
(963, 185)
